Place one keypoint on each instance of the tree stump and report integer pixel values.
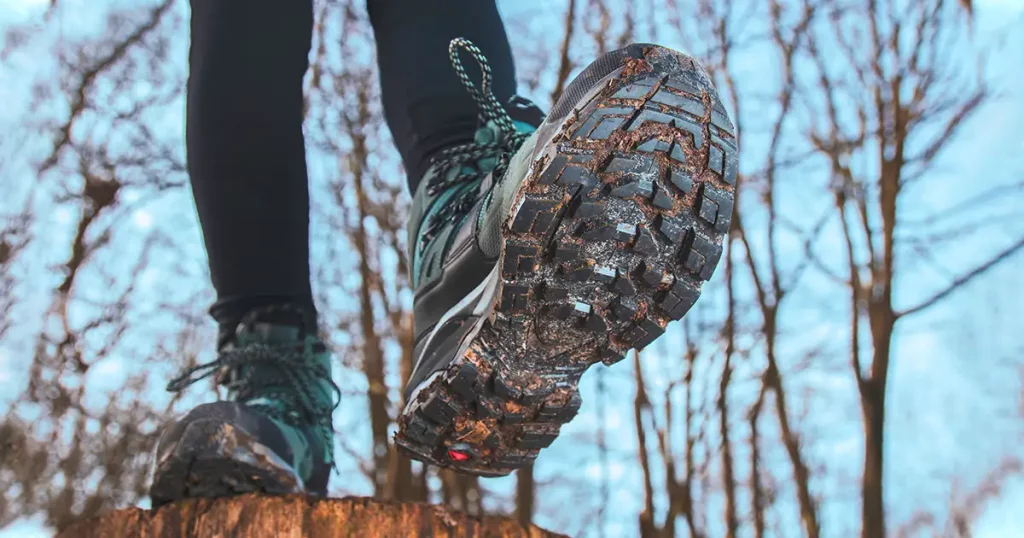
(260, 516)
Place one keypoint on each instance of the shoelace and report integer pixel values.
(299, 371)
(468, 155)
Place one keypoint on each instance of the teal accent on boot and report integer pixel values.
(293, 392)
(277, 418)
(445, 209)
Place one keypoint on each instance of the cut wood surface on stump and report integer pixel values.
(256, 516)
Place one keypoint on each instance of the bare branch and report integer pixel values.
(80, 95)
(565, 63)
(964, 279)
(641, 405)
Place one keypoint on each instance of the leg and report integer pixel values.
(426, 107)
(248, 170)
(246, 151)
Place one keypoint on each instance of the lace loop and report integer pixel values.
(489, 106)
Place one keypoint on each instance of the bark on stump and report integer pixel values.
(255, 516)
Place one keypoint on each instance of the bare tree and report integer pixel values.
(910, 103)
(771, 290)
(788, 25)
(82, 440)
(868, 97)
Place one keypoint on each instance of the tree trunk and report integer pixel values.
(373, 355)
(801, 475)
(647, 527)
(732, 522)
(460, 491)
(525, 488)
(403, 485)
(873, 409)
(757, 494)
(873, 510)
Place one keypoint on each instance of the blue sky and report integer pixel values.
(932, 431)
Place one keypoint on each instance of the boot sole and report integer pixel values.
(618, 223)
(213, 459)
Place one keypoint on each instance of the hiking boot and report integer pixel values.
(537, 256)
(273, 434)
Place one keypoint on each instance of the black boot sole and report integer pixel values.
(619, 221)
(213, 459)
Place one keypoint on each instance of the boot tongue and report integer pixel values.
(487, 134)
(287, 332)
(425, 204)
(490, 133)
(273, 334)
(265, 376)
(274, 326)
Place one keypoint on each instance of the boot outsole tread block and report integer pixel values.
(214, 460)
(613, 235)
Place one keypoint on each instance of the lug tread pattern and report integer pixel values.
(611, 239)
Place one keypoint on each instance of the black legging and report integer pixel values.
(246, 154)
